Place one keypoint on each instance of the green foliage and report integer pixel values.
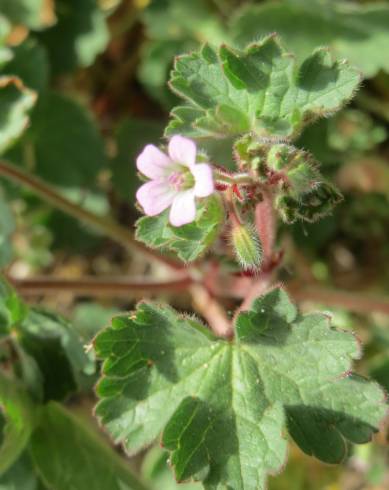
(7, 227)
(50, 351)
(63, 144)
(20, 419)
(50, 340)
(173, 27)
(5, 52)
(78, 36)
(190, 241)
(157, 473)
(30, 63)
(356, 32)
(226, 403)
(82, 449)
(16, 101)
(12, 309)
(21, 476)
(34, 14)
(300, 191)
(259, 89)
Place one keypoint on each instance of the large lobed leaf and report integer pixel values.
(259, 89)
(225, 404)
(357, 32)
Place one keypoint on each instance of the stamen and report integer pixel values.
(176, 180)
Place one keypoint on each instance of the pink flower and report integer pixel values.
(176, 180)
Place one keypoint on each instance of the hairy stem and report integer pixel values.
(104, 225)
(95, 286)
(358, 302)
(224, 177)
(211, 310)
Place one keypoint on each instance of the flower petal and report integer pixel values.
(183, 209)
(204, 185)
(155, 196)
(182, 150)
(152, 162)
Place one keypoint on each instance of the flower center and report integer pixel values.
(176, 180)
(181, 179)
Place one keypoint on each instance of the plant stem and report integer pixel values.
(223, 177)
(104, 225)
(211, 310)
(357, 302)
(95, 286)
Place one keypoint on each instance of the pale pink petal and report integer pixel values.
(152, 162)
(183, 209)
(204, 185)
(155, 197)
(182, 150)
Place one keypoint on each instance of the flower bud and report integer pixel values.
(247, 246)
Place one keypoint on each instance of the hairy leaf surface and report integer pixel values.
(189, 241)
(225, 404)
(259, 89)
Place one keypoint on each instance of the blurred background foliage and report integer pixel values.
(93, 75)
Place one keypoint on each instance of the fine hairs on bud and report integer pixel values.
(247, 245)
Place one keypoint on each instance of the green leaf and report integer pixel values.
(29, 63)
(62, 144)
(78, 36)
(356, 32)
(131, 136)
(7, 227)
(225, 404)
(156, 471)
(190, 241)
(21, 476)
(20, 418)
(5, 52)
(12, 309)
(16, 101)
(35, 14)
(173, 27)
(69, 454)
(58, 351)
(259, 89)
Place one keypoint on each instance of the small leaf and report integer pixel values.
(189, 241)
(16, 101)
(57, 350)
(12, 309)
(20, 420)
(69, 454)
(259, 89)
(225, 404)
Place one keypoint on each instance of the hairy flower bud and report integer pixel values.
(247, 246)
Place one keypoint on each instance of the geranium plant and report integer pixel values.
(225, 388)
